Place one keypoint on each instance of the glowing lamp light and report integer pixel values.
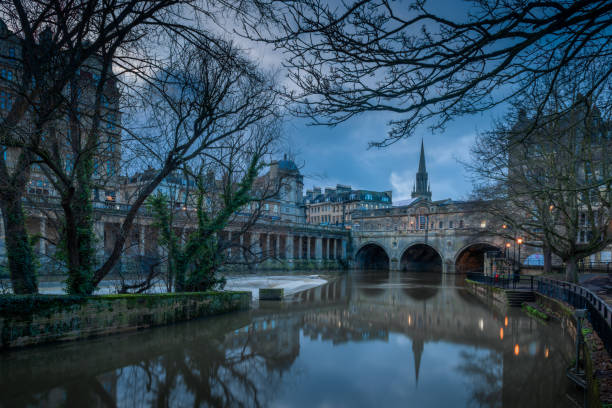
(501, 333)
(519, 241)
(504, 226)
(546, 352)
(516, 349)
(483, 224)
(508, 245)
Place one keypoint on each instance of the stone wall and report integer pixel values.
(31, 320)
(490, 295)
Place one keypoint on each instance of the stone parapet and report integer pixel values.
(27, 320)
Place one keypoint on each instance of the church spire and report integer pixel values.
(422, 189)
(422, 159)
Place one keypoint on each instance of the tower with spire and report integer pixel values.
(422, 188)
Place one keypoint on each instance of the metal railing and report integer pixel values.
(599, 312)
(594, 267)
(505, 281)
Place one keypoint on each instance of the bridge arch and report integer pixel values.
(470, 258)
(372, 255)
(421, 256)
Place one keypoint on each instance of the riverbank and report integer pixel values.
(27, 320)
(597, 365)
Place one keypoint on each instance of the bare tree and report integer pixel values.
(428, 66)
(113, 45)
(48, 43)
(193, 213)
(206, 99)
(547, 177)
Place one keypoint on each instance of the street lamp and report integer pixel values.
(507, 249)
(519, 241)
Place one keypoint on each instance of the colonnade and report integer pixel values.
(281, 244)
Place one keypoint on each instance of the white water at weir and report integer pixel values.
(290, 284)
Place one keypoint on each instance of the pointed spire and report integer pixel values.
(422, 159)
(422, 189)
(417, 352)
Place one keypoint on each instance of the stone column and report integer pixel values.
(319, 248)
(344, 245)
(229, 243)
(43, 235)
(328, 248)
(289, 242)
(308, 248)
(268, 251)
(277, 249)
(101, 244)
(332, 248)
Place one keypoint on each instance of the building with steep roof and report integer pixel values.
(334, 205)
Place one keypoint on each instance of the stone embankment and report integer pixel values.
(597, 365)
(27, 320)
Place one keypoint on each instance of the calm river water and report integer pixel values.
(363, 340)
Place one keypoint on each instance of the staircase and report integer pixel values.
(517, 297)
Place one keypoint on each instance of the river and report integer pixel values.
(366, 339)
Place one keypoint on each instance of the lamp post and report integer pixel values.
(519, 241)
(506, 248)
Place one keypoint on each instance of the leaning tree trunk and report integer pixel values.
(19, 250)
(571, 270)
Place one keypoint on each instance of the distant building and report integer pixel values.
(281, 186)
(334, 205)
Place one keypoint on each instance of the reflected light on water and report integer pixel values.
(481, 324)
(546, 352)
(501, 333)
(516, 349)
(506, 321)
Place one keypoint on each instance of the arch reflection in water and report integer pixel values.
(339, 345)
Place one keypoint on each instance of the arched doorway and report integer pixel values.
(372, 256)
(421, 257)
(471, 258)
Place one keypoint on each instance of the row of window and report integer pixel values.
(6, 100)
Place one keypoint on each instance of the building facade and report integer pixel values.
(334, 206)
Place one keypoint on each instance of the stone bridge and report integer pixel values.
(450, 251)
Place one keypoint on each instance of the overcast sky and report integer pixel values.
(340, 155)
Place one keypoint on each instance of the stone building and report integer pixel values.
(334, 206)
(59, 133)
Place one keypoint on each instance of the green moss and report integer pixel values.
(26, 305)
(535, 312)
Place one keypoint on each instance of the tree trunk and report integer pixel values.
(547, 260)
(571, 270)
(20, 253)
(79, 235)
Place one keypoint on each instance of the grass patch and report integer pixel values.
(535, 312)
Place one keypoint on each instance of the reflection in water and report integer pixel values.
(388, 339)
